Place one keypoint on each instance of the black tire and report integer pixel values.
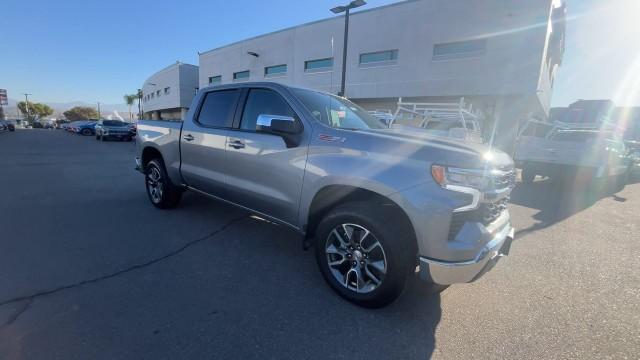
(170, 195)
(397, 245)
(86, 132)
(103, 138)
(528, 175)
(98, 137)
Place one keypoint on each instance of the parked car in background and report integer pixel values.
(378, 203)
(49, 125)
(74, 125)
(113, 129)
(60, 123)
(596, 156)
(3, 126)
(86, 128)
(634, 159)
(11, 124)
(37, 125)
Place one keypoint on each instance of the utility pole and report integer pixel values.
(99, 114)
(26, 102)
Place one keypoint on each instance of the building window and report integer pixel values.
(275, 71)
(166, 90)
(318, 65)
(241, 76)
(215, 80)
(387, 57)
(459, 49)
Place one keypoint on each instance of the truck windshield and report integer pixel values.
(337, 112)
(113, 123)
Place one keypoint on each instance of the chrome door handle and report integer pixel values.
(188, 137)
(236, 144)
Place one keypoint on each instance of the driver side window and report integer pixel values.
(263, 101)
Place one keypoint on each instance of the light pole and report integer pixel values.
(99, 115)
(139, 104)
(26, 104)
(346, 9)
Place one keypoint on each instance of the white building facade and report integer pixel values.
(500, 56)
(168, 93)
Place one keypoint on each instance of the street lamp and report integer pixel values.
(346, 9)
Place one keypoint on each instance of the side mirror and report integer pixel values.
(277, 124)
(285, 126)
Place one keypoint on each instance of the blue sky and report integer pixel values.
(89, 50)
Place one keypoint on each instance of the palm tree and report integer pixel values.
(130, 100)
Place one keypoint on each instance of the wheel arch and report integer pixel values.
(332, 196)
(149, 153)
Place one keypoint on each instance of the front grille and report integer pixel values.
(489, 212)
(506, 178)
(485, 214)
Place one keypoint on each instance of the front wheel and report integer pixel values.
(162, 193)
(86, 132)
(364, 254)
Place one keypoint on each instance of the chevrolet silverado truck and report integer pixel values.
(378, 204)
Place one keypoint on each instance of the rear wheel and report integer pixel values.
(364, 254)
(86, 132)
(162, 193)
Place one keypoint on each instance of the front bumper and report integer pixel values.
(447, 273)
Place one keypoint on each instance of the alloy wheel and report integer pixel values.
(356, 258)
(154, 184)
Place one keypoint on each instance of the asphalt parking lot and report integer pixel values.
(90, 270)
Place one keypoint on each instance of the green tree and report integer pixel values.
(130, 100)
(34, 111)
(81, 113)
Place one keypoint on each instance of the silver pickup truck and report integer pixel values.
(378, 204)
(572, 152)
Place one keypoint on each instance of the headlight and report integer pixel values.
(454, 177)
(466, 181)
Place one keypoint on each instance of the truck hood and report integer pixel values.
(445, 151)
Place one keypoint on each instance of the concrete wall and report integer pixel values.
(180, 78)
(516, 35)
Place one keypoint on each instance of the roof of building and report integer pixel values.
(176, 64)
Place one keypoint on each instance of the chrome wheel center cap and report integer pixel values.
(357, 255)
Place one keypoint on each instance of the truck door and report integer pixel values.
(204, 139)
(264, 174)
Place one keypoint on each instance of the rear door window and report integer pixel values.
(218, 108)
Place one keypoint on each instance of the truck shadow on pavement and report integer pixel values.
(297, 309)
(556, 201)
